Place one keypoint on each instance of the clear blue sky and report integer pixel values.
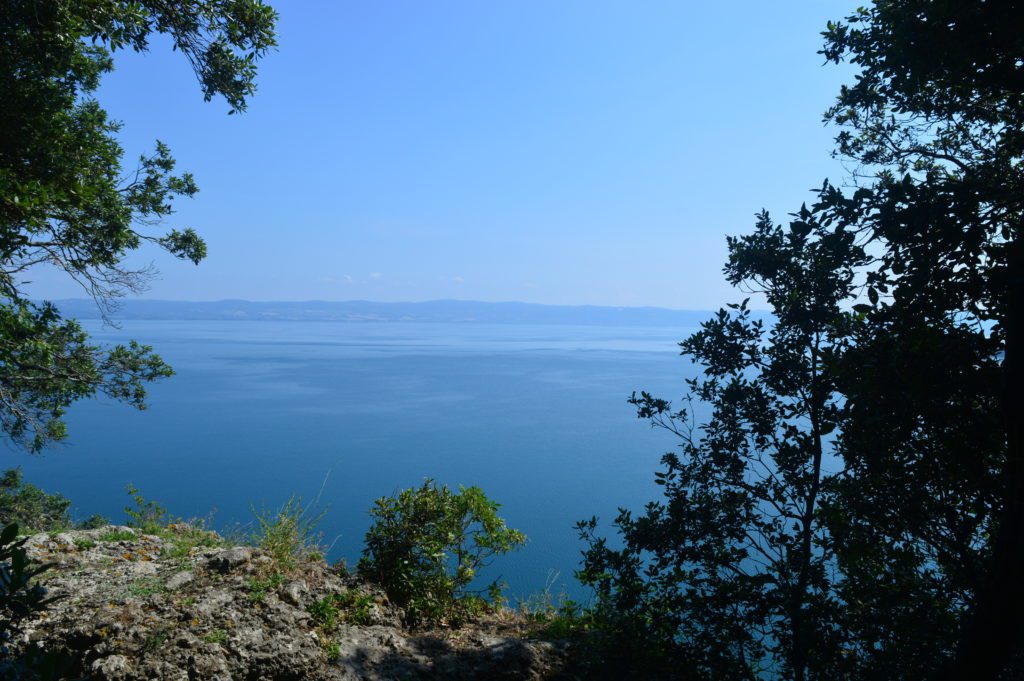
(553, 152)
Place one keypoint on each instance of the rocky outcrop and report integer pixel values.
(133, 606)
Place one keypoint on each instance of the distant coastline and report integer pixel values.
(437, 311)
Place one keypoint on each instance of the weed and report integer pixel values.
(325, 613)
(218, 636)
(146, 586)
(569, 620)
(555, 618)
(356, 606)
(289, 534)
(84, 543)
(155, 641)
(333, 650)
(259, 588)
(350, 607)
(182, 538)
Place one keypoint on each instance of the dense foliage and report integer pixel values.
(864, 519)
(936, 120)
(68, 202)
(30, 507)
(428, 544)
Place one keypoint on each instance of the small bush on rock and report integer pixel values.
(428, 544)
(146, 515)
(93, 522)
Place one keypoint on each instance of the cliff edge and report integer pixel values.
(136, 606)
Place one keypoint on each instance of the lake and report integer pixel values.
(346, 412)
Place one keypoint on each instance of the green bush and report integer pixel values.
(93, 522)
(146, 515)
(29, 507)
(428, 544)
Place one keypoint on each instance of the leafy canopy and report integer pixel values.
(66, 199)
(935, 121)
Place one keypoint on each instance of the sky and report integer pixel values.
(560, 152)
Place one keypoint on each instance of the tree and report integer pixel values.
(922, 527)
(936, 120)
(67, 202)
(732, 575)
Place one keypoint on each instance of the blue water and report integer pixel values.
(259, 411)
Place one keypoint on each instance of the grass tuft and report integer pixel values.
(147, 586)
(218, 636)
(259, 588)
(289, 535)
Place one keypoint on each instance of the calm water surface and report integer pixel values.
(258, 411)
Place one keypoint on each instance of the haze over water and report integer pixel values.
(536, 415)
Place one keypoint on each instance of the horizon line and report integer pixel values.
(398, 302)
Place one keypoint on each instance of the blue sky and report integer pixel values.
(554, 152)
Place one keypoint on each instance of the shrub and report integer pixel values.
(93, 522)
(146, 515)
(30, 507)
(427, 545)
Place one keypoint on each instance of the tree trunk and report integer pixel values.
(798, 654)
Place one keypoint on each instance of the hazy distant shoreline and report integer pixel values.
(453, 311)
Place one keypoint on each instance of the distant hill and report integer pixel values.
(455, 311)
